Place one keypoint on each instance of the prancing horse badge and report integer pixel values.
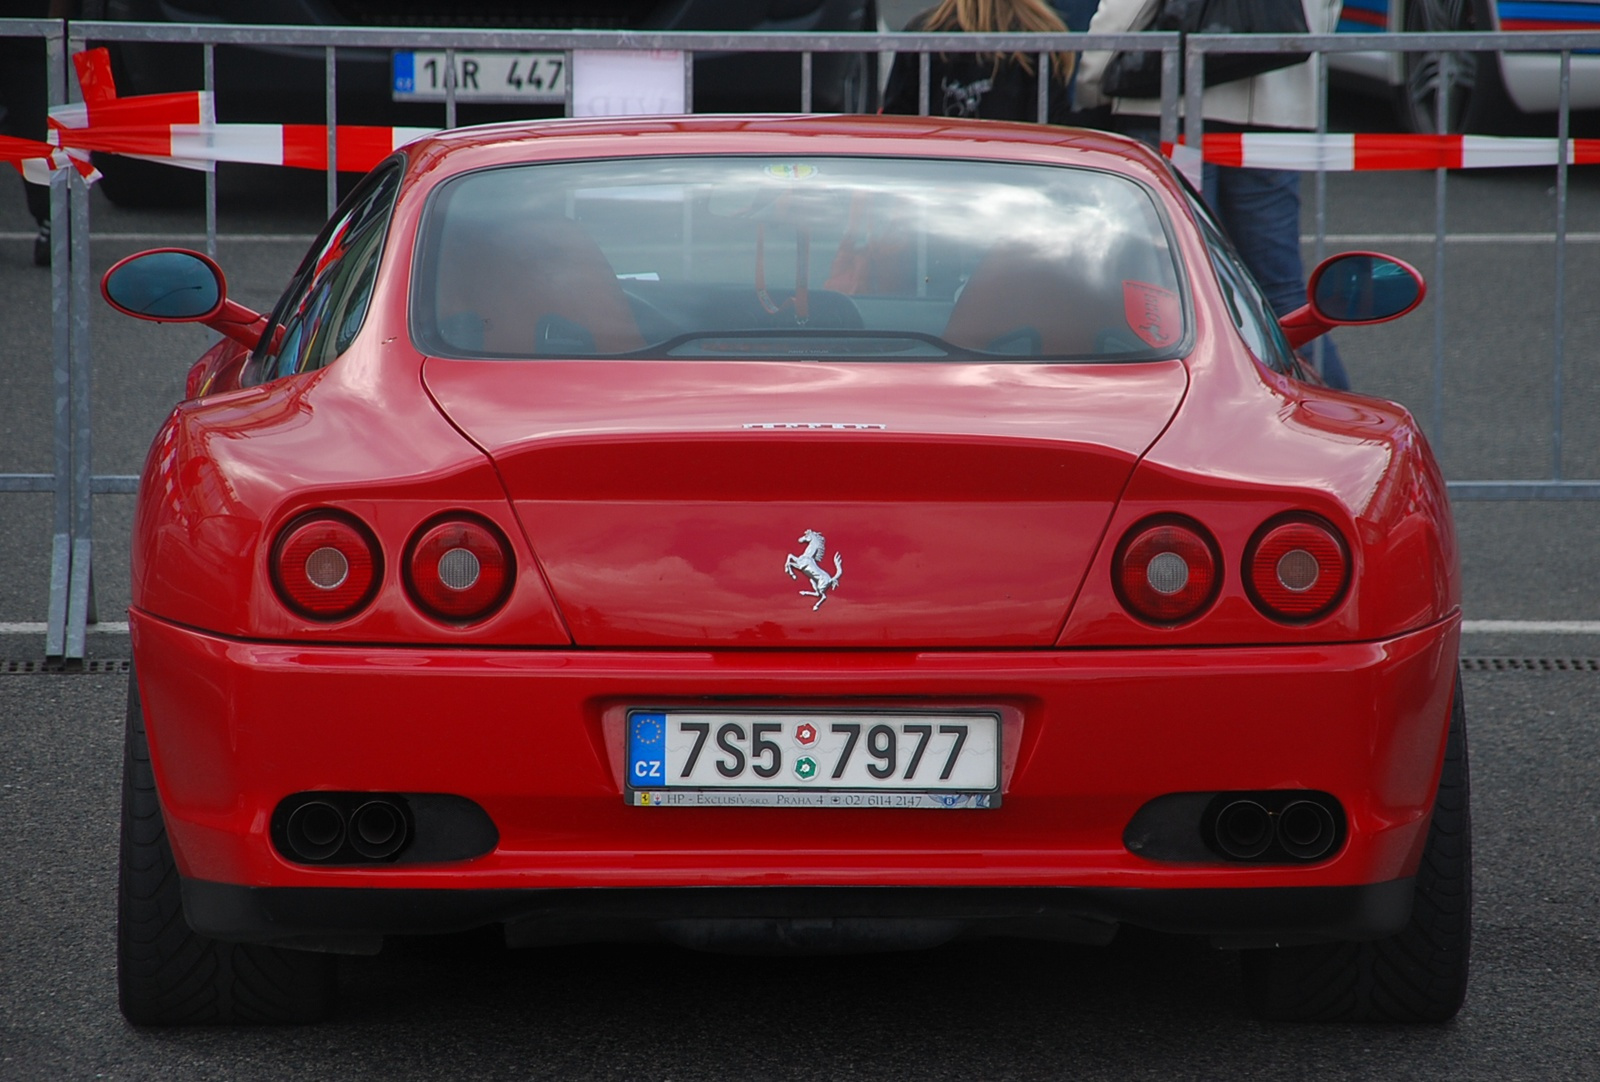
(809, 563)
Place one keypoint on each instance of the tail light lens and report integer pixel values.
(1166, 570)
(325, 566)
(1296, 569)
(459, 569)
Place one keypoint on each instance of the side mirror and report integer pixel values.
(174, 285)
(1354, 289)
(165, 285)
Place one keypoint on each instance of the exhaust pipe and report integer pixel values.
(1244, 829)
(1306, 830)
(377, 830)
(316, 830)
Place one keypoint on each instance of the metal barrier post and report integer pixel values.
(1194, 86)
(210, 78)
(1319, 249)
(61, 385)
(1436, 428)
(62, 548)
(331, 89)
(72, 601)
(81, 608)
(1563, 144)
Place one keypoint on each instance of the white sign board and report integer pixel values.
(627, 82)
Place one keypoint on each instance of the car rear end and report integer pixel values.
(851, 541)
(787, 591)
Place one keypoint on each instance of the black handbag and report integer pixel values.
(1138, 74)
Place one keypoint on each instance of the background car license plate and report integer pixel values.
(483, 76)
(847, 760)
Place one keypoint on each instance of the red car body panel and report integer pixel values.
(648, 505)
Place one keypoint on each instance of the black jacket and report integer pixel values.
(972, 85)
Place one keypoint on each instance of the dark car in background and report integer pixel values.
(285, 84)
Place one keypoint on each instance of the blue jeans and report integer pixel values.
(1260, 210)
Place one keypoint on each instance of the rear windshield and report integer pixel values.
(867, 258)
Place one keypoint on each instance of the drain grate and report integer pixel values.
(18, 667)
(1530, 664)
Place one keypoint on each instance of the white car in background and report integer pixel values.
(1480, 90)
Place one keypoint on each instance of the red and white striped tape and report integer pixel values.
(36, 160)
(1343, 152)
(181, 129)
(202, 145)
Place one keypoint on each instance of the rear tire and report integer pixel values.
(1418, 974)
(166, 974)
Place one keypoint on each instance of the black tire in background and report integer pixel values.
(1417, 975)
(166, 974)
(1474, 99)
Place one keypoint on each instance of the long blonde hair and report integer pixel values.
(1003, 17)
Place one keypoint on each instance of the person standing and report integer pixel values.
(1259, 208)
(24, 100)
(992, 86)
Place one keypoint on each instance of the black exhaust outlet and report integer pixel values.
(1306, 830)
(316, 831)
(378, 829)
(1241, 826)
(1244, 830)
(354, 828)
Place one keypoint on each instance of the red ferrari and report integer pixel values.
(815, 534)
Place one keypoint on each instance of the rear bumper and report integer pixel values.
(533, 737)
(767, 919)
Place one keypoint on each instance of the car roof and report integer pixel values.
(461, 149)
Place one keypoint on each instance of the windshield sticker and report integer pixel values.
(792, 171)
(1153, 313)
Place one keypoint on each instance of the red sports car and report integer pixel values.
(818, 533)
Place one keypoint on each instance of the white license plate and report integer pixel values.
(815, 760)
(483, 76)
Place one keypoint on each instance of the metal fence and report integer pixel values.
(72, 599)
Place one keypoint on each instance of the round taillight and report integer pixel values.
(459, 569)
(1166, 571)
(1296, 569)
(325, 567)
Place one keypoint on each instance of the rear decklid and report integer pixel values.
(702, 503)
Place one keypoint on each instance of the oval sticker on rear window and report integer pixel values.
(1153, 313)
(792, 171)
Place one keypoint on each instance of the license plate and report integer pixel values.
(813, 760)
(483, 76)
